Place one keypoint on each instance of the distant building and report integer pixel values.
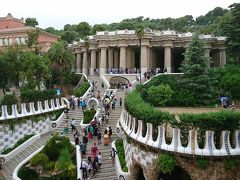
(13, 31)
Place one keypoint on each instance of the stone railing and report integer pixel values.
(128, 123)
(52, 105)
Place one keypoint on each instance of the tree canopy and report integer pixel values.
(31, 22)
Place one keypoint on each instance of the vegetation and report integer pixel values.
(121, 154)
(79, 92)
(231, 163)
(88, 115)
(27, 174)
(34, 96)
(9, 99)
(202, 163)
(18, 143)
(57, 160)
(166, 163)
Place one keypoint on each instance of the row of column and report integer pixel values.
(108, 58)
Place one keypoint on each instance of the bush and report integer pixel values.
(34, 96)
(88, 116)
(27, 174)
(166, 163)
(64, 160)
(18, 143)
(202, 163)
(144, 111)
(40, 159)
(82, 89)
(9, 99)
(70, 78)
(159, 95)
(231, 164)
(121, 154)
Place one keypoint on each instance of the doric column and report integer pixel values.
(222, 57)
(78, 63)
(128, 57)
(167, 58)
(116, 59)
(132, 62)
(144, 59)
(103, 61)
(110, 58)
(85, 65)
(123, 57)
(93, 61)
(149, 57)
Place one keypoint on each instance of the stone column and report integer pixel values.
(93, 61)
(110, 57)
(116, 59)
(149, 57)
(78, 64)
(85, 63)
(132, 62)
(144, 59)
(128, 57)
(167, 58)
(123, 57)
(207, 52)
(103, 61)
(222, 57)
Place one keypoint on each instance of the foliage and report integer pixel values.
(32, 41)
(64, 160)
(231, 163)
(9, 99)
(197, 75)
(88, 116)
(18, 143)
(79, 92)
(159, 95)
(70, 78)
(27, 174)
(141, 110)
(55, 145)
(121, 154)
(40, 159)
(166, 163)
(31, 22)
(202, 163)
(34, 96)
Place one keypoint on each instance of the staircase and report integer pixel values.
(10, 165)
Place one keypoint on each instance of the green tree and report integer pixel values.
(31, 22)
(32, 41)
(69, 36)
(159, 95)
(98, 27)
(61, 59)
(52, 30)
(197, 76)
(83, 29)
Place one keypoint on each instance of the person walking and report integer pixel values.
(84, 168)
(94, 151)
(112, 156)
(110, 132)
(99, 136)
(120, 101)
(99, 159)
(73, 124)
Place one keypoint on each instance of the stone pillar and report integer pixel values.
(222, 57)
(93, 61)
(149, 57)
(116, 64)
(128, 58)
(110, 57)
(144, 59)
(123, 57)
(78, 64)
(207, 52)
(85, 63)
(167, 58)
(103, 61)
(132, 62)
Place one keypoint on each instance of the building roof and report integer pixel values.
(10, 17)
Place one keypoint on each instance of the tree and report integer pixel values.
(32, 41)
(231, 29)
(61, 59)
(69, 36)
(99, 27)
(31, 22)
(197, 76)
(83, 29)
(140, 33)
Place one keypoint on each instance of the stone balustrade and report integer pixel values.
(47, 106)
(128, 124)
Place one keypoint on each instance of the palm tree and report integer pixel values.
(140, 33)
(61, 59)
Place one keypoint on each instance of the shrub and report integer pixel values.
(121, 154)
(40, 159)
(159, 95)
(27, 174)
(82, 89)
(64, 160)
(88, 116)
(202, 163)
(9, 99)
(166, 163)
(34, 96)
(18, 143)
(231, 164)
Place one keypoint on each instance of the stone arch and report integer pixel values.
(177, 174)
(137, 172)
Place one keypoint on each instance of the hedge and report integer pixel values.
(88, 116)
(144, 111)
(9, 99)
(82, 89)
(121, 154)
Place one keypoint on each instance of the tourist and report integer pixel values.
(89, 167)
(83, 167)
(73, 125)
(102, 84)
(109, 132)
(99, 159)
(99, 136)
(94, 151)
(120, 101)
(112, 155)
(83, 148)
(233, 106)
(95, 167)
(65, 129)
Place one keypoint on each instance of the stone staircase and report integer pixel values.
(10, 165)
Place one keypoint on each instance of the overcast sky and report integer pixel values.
(57, 13)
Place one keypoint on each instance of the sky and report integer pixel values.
(57, 13)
